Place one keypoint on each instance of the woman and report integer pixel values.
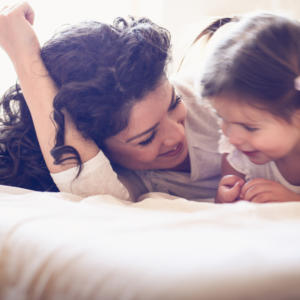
(111, 92)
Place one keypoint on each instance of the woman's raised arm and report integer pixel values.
(20, 42)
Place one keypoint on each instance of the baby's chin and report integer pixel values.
(257, 157)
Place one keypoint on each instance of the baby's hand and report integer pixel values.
(229, 189)
(262, 190)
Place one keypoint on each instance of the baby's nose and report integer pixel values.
(235, 136)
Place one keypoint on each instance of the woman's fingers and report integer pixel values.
(22, 8)
(28, 12)
(17, 36)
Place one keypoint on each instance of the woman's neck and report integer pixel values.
(185, 166)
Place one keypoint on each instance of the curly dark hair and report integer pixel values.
(21, 160)
(101, 71)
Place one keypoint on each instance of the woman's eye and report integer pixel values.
(178, 99)
(148, 140)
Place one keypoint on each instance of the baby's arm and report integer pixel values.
(262, 190)
(19, 40)
(230, 184)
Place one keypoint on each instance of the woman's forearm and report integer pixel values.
(20, 42)
(39, 91)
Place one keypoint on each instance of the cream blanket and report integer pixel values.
(61, 246)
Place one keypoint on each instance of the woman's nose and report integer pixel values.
(174, 133)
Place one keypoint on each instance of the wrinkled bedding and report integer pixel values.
(61, 246)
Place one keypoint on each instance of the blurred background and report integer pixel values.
(183, 18)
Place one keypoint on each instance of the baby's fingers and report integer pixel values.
(229, 193)
(253, 186)
(253, 192)
(236, 190)
(231, 180)
(262, 197)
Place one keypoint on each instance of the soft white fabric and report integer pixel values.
(97, 176)
(241, 163)
(58, 246)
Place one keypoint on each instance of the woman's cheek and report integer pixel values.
(149, 153)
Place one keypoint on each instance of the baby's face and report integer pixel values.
(260, 135)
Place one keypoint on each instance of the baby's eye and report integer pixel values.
(148, 140)
(250, 128)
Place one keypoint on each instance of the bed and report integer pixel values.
(62, 246)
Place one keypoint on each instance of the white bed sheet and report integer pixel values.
(60, 246)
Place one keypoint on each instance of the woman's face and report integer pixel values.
(155, 136)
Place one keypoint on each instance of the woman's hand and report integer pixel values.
(262, 190)
(17, 36)
(229, 189)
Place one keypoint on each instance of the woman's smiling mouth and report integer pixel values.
(174, 152)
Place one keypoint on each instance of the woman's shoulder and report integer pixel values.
(186, 85)
(200, 117)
